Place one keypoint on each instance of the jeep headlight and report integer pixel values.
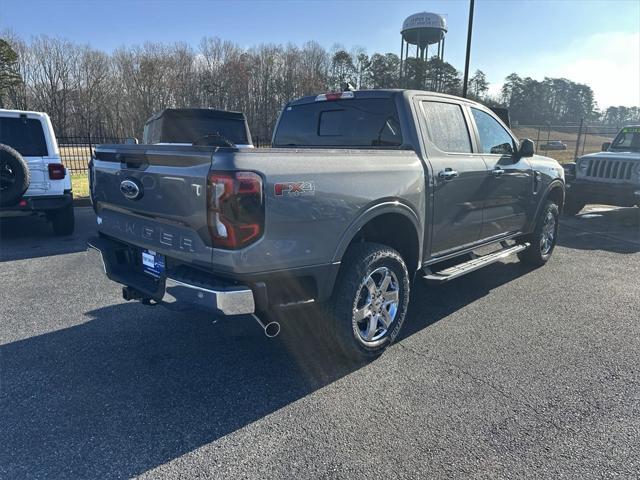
(582, 165)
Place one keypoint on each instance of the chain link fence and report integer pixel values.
(567, 142)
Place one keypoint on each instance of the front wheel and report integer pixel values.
(370, 300)
(544, 237)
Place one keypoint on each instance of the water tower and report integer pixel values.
(422, 29)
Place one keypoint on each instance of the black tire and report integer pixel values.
(540, 251)
(572, 206)
(63, 221)
(363, 261)
(14, 175)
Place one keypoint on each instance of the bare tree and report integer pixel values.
(54, 78)
(89, 92)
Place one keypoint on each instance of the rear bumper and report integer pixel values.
(31, 205)
(182, 290)
(621, 194)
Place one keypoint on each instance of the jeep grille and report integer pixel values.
(609, 169)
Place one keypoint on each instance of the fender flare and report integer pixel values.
(555, 183)
(373, 211)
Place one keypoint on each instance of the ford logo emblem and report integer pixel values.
(130, 189)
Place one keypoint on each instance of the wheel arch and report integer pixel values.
(555, 191)
(390, 223)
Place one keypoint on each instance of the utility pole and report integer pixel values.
(466, 62)
(578, 139)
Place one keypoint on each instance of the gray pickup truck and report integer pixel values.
(361, 193)
(611, 176)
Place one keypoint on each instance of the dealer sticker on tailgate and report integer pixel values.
(152, 263)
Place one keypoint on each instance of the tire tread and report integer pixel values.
(358, 259)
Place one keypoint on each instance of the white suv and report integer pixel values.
(33, 180)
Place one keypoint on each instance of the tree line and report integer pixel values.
(88, 91)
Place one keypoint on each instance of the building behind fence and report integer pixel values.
(577, 140)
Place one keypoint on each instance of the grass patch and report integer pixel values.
(80, 185)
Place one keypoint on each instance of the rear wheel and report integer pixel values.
(63, 221)
(544, 237)
(370, 300)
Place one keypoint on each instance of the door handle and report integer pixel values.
(448, 174)
(497, 171)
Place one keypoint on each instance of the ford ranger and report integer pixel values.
(361, 193)
(611, 177)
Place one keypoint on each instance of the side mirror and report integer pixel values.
(130, 141)
(605, 146)
(527, 148)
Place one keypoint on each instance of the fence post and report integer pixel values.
(538, 140)
(90, 147)
(548, 135)
(578, 139)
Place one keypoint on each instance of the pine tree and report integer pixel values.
(9, 74)
(478, 84)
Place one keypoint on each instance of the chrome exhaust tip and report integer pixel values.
(271, 329)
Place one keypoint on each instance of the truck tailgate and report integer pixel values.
(154, 197)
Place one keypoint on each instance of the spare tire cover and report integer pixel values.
(14, 175)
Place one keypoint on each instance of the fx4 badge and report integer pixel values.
(294, 189)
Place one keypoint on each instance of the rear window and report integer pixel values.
(371, 122)
(25, 135)
(188, 129)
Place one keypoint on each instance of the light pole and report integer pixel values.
(465, 82)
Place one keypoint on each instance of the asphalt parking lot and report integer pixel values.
(506, 373)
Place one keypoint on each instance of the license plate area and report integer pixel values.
(153, 263)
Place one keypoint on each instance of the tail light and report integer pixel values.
(333, 96)
(57, 171)
(235, 202)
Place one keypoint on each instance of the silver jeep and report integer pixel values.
(611, 176)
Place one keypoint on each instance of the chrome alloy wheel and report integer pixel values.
(375, 306)
(548, 234)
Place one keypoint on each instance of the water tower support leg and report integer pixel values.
(401, 54)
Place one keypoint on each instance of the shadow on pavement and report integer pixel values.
(602, 228)
(430, 303)
(32, 237)
(135, 386)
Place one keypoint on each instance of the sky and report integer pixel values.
(587, 41)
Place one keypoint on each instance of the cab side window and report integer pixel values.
(493, 137)
(447, 127)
